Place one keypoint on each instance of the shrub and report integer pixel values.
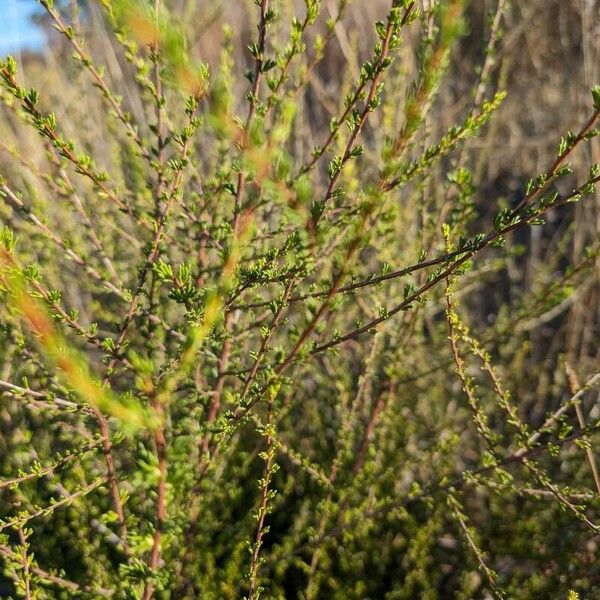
(246, 337)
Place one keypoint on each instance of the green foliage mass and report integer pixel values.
(270, 326)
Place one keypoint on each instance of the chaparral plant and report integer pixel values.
(301, 299)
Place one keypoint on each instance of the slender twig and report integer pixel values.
(53, 579)
(263, 507)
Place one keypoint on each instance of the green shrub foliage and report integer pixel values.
(275, 319)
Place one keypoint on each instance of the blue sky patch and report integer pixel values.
(17, 32)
